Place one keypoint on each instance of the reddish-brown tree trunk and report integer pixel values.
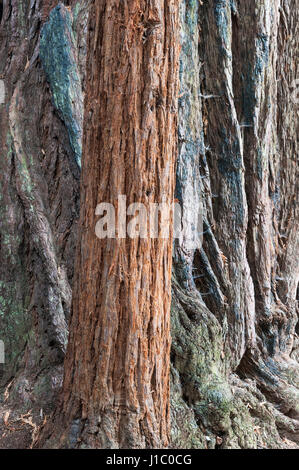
(116, 384)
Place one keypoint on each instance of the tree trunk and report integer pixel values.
(234, 324)
(116, 384)
(235, 348)
(39, 181)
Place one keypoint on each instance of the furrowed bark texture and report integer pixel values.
(39, 180)
(234, 304)
(234, 355)
(116, 384)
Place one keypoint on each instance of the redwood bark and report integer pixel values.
(116, 384)
(235, 344)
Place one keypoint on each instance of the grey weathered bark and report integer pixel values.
(234, 321)
(39, 206)
(235, 345)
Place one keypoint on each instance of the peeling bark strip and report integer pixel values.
(116, 385)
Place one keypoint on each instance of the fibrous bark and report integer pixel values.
(116, 383)
(39, 206)
(234, 317)
(234, 373)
